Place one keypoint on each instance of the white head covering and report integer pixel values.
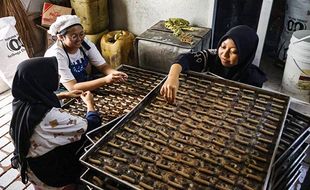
(63, 22)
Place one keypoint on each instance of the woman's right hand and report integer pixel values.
(170, 88)
(115, 77)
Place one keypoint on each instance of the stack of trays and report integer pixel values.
(115, 100)
(99, 181)
(291, 151)
(296, 129)
(219, 135)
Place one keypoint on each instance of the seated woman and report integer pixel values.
(46, 138)
(231, 60)
(76, 55)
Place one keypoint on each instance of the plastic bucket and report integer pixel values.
(93, 14)
(296, 77)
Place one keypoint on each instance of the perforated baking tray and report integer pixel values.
(95, 134)
(291, 167)
(115, 100)
(295, 132)
(292, 144)
(97, 180)
(218, 135)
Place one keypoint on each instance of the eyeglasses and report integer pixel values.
(75, 36)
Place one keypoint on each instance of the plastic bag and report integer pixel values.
(12, 50)
(297, 17)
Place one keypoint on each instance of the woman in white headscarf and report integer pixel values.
(76, 55)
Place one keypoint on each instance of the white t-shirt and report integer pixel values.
(56, 129)
(65, 73)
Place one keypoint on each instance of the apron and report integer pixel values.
(79, 68)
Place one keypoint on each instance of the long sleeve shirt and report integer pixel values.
(60, 128)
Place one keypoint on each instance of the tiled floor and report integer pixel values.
(9, 177)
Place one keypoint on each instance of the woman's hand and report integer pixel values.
(170, 87)
(122, 74)
(112, 75)
(115, 76)
(88, 99)
(74, 93)
(69, 94)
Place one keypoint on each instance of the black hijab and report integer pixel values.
(246, 41)
(33, 88)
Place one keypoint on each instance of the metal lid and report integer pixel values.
(165, 37)
(200, 32)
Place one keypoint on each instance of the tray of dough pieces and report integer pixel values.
(219, 134)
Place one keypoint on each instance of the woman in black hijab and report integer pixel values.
(45, 137)
(231, 60)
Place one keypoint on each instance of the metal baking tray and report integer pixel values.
(291, 180)
(283, 173)
(87, 147)
(289, 168)
(97, 180)
(95, 134)
(294, 179)
(113, 101)
(292, 149)
(295, 132)
(219, 134)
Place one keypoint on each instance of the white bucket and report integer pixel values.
(296, 77)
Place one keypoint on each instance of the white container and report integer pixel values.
(296, 77)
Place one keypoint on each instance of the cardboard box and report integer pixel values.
(51, 12)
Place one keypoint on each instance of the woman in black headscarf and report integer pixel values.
(45, 137)
(231, 60)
